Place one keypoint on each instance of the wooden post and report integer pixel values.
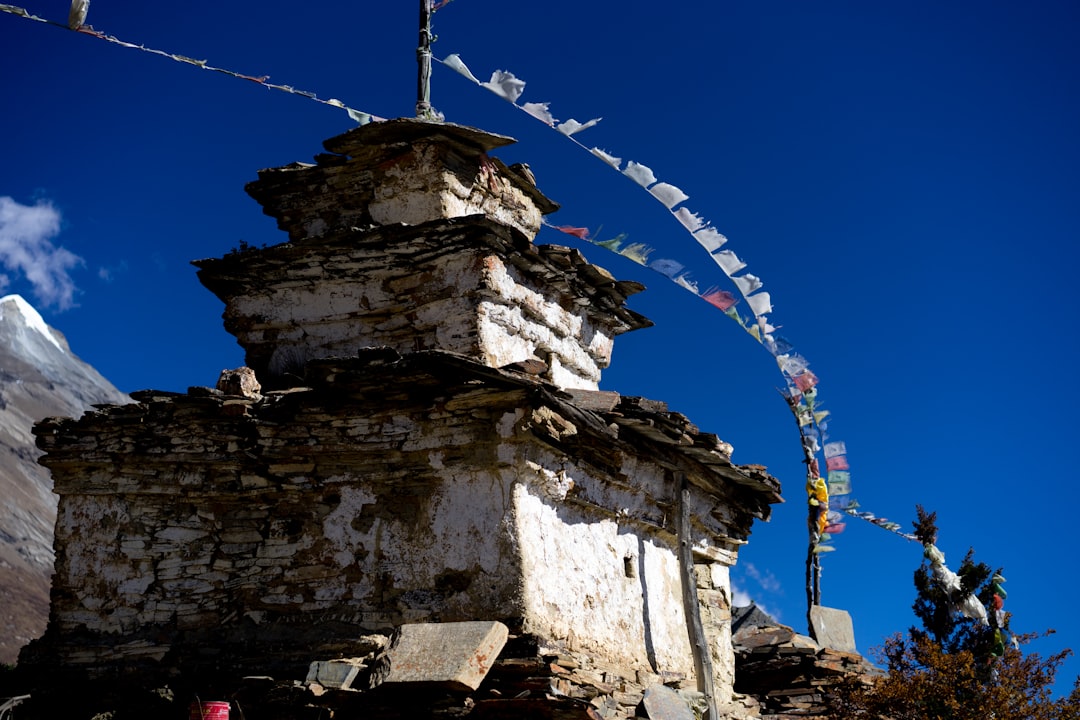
(423, 58)
(699, 644)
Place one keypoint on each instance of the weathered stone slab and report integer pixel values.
(832, 628)
(456, 656)
(663, 703)
(333, 673)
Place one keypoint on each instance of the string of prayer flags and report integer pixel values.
(829, 497)
(1000, 619)
(76, 22)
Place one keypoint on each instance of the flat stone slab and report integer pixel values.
(663, 703)
(456, 656)
(832, 628)
(333, 673)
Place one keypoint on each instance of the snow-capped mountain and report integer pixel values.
(39, 377)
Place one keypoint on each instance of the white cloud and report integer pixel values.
(766, 579)
(26, 248)
(742, 598)
(108, 273)
(769, 588)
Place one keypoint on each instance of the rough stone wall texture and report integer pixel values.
(400, 172)
(391, 490)
(472, 287)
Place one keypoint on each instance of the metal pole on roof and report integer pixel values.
(423, 58)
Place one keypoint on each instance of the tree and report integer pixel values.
(957, 667)
(936, 607)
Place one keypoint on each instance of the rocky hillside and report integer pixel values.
(39, 377)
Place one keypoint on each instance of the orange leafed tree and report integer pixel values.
(952, 668)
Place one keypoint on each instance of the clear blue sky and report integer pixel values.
(903, 177)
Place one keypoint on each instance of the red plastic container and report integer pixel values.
(209, 711)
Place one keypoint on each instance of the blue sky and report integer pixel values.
(902, 176)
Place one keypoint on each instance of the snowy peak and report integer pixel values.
(40, 377)
(14, 308)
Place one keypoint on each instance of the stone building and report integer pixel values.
(423, 441)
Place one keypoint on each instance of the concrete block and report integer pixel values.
(832, 628)
(456, 655)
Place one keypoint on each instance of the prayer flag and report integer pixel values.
(722, 299)
(728, 262)
(666, 266)
(578, 232)
(668, 194)
(690, 221)
(455, 63)
(638, 252)
(505, 85)
(539, 111)
(839, 482)
(837, 462)
(835, 448)
(572, 126)
(609, 159)
(709, 239)
(639, 173)
(748, 283)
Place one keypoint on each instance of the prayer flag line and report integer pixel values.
(831, 497)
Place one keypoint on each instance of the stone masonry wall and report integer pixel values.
(380, 495)
(449, 285)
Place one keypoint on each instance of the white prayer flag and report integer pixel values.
(455, 63)
(709, 239)
(505, 85)
(539, 111)
(835, 448)
(691, 221)
(609, 159)
(748, 283)
(792, 364)
(728, 261)
(77, 14)
(641, 174)
(572, 126)
(685, 282)
(361, 118)
(760, 304)
(668, 194)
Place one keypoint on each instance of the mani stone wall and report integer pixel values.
(256, 532)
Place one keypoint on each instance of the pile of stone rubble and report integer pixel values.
(790, 675)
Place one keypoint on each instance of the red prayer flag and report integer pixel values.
(837, 462)
(579, 233)
(720, 298)
(805, 381)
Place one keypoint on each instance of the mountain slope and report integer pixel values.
(39, 378)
